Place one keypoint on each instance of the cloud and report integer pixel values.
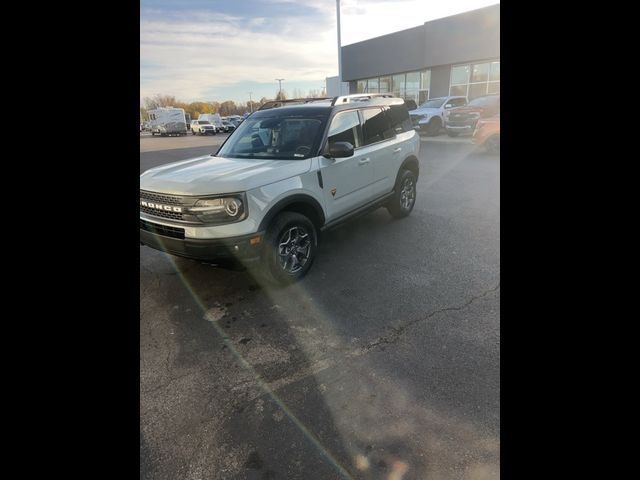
(189, 56)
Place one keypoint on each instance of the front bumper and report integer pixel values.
(231, 248)
(461, 127)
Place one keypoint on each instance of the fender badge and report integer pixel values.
(333, 192)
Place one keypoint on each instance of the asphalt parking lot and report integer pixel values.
(383, 363)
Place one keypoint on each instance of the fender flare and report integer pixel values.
(409, 163)
(281, 205)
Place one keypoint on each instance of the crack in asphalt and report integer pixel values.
(398, 331)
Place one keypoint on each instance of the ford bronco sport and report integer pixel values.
(283, 176)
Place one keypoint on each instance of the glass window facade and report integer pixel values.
(398, 85)
(471, 80)
(385, 85)
(410, 85)
(475, 79)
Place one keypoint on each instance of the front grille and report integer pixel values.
(161, 213)
(164, 230)
(161, 198)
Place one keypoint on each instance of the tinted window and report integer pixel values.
(399, 118)
(458, 102)
(345, 127)
(376, 126)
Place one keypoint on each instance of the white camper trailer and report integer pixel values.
(168, 121)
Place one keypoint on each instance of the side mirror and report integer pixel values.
(340, 150)
(448, 105)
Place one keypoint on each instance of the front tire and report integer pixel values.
(291, 243)
(404, 198)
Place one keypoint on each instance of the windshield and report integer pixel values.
(203, 122)
(433, 103)
(484, 101)
(275, 137)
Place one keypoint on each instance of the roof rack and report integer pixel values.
(293, 101)
(358, 97)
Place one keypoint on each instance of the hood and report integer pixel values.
(212, 175)
(424, 111)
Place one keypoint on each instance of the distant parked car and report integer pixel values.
(228, 126)
(463, 119)
(203, 127)
(487, 134)
(428, 118)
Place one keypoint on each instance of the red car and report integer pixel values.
(462, 120)
(487, 133)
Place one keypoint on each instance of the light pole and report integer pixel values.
(250, 103)
(339, 52)
(279, 80)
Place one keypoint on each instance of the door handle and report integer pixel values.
(396, 150)
(362, 161)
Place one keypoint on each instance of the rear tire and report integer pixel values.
(433, 127)
(493, 144)
(290, 247)
(404, 197)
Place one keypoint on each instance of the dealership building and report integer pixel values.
(456, 55)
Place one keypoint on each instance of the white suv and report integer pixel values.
(283, 176)
(203, 127)
(429, 118)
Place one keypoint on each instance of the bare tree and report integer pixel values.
(281, 95)
(158, 101)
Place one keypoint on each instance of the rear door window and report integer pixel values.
(399, 118)
(376, 126)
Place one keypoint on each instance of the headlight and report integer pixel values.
(221, 209)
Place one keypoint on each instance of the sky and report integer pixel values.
(217, 50)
